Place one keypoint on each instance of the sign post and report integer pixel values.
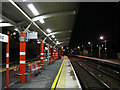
(22, 57)
(42, 55)
(49, 54)
(5, 38)
(53, 54)
(7, 64)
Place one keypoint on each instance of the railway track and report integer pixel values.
(93, 77)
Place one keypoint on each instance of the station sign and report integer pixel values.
(32, 35)
(3, 38)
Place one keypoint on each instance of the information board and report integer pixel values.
(3, 38)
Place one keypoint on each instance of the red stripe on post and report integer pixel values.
(22, 59)
(53, 54)
(7, 64)
(42, 56)
(49, 54)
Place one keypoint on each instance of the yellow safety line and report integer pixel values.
(56, 79)
(3, 70)
(61, 81)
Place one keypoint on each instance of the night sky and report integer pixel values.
(95, 19)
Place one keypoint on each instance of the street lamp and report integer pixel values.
(91, 47)
(79, 49)
(102, 38)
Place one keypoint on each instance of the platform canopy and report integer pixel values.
(52, 19)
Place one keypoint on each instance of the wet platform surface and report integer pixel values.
(44, 79)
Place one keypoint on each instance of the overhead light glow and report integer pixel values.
(101, 37)
(16, 29)
(33, 9)
(24, 0)
(53, 36)
(38, 18)
(5, 24)
(88, 42)
(14, 33)
(55, 39)
(48, 30)
(42, 21)
(1, 20)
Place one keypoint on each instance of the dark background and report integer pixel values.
(95, 19)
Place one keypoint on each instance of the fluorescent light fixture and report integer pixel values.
(53, 36)
(1, 20)
(24, 0)
(38, 18)
(55, 39)
(33, 9)
(42, 21)
(5, 24)
(58, 42)
(48, 30)
(16, 29)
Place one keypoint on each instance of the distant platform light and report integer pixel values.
(102, 45)
(101, 37)
(105, 48)
(78, 47)
(53, 36)
(97, 45)
(55, 39)
(48, 30)
(16, 29)
(89, 43)
(42, 21)
(14, 33)
(82, 45)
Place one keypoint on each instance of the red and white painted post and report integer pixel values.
(7, 64)
(42, 55)
(22, 57)
(56, 54)
(53, 54)
(49, 54)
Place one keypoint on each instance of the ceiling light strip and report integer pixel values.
(30, 19)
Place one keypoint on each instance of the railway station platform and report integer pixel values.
(60, 74)
(116, 62)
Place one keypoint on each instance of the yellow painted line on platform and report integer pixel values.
(11, 68)
(57, 77)
(61, 81)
